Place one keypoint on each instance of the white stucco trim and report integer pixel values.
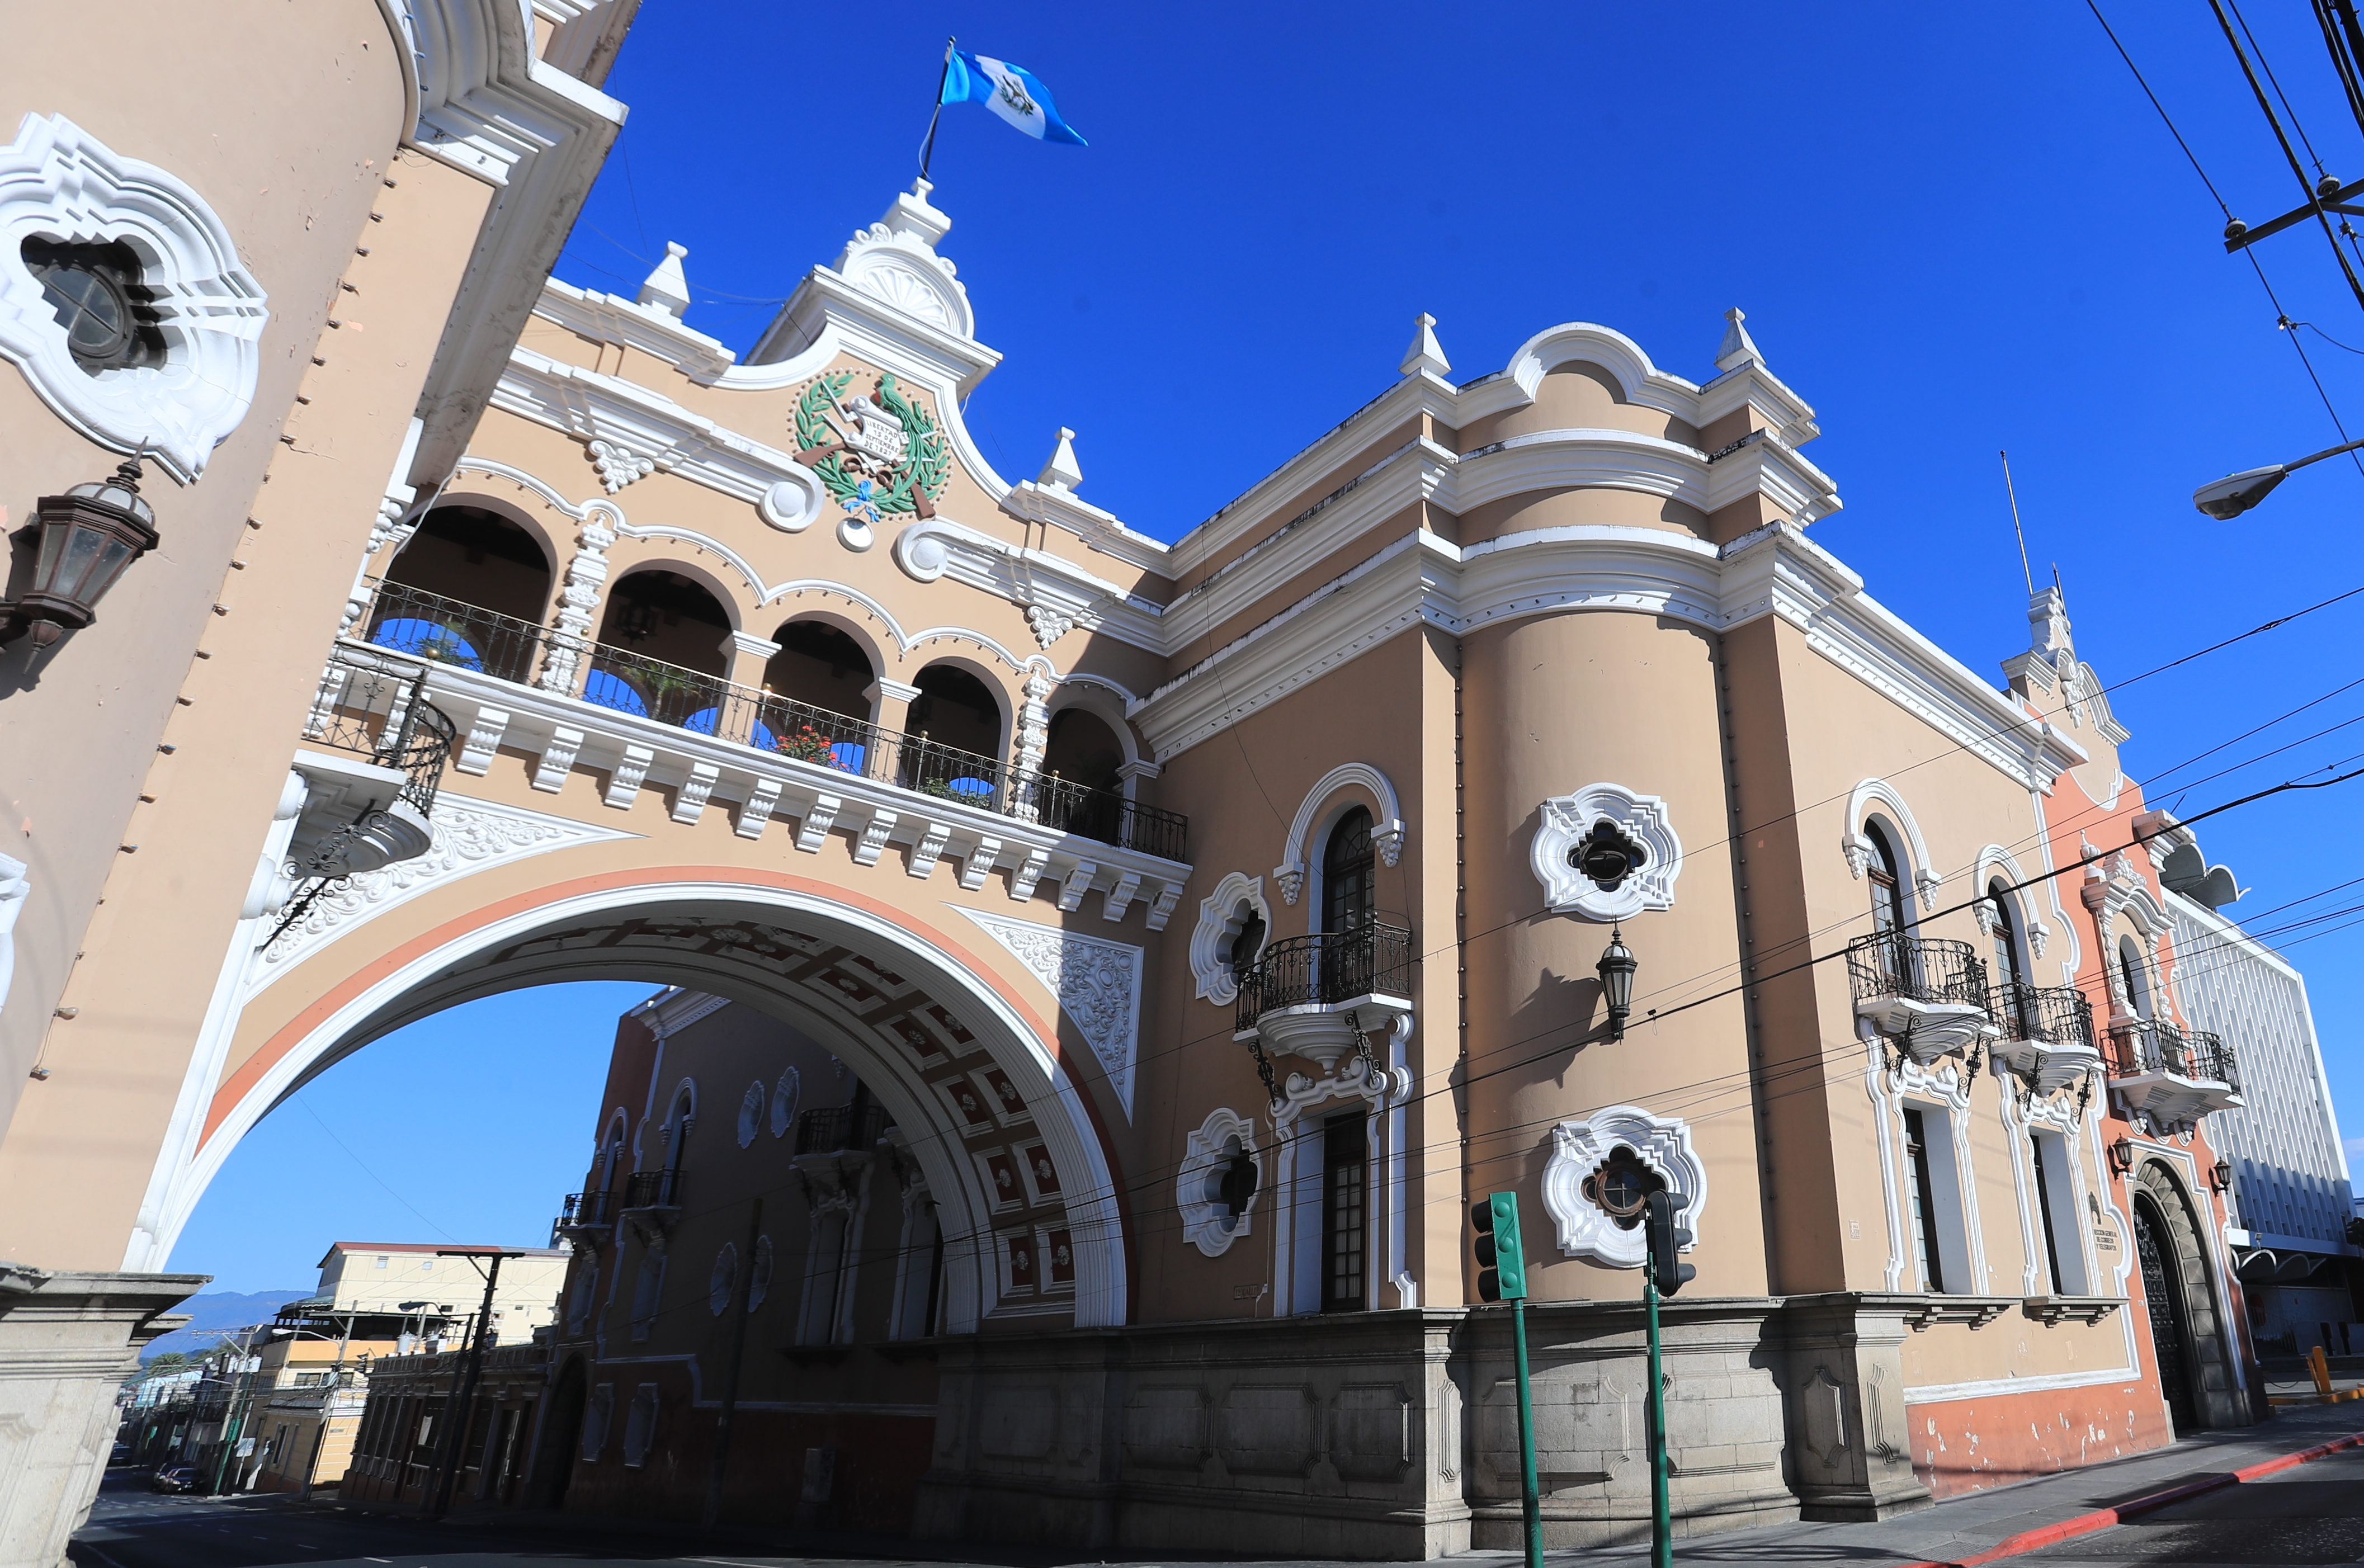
(1386, 822)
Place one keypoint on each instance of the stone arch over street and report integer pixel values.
(914, 1010)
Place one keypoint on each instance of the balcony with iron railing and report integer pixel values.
(585, 1214)
(447, 633)
(371, 772)
(2173, 1075)
(2047, 1034)
(1928, 994)
(1306, 995)
(838, 1129)
(653, 1189)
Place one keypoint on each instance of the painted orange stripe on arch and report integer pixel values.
(293, 1033)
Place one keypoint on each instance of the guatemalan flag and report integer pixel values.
(1010, 91)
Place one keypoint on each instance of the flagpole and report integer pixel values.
(928, 149)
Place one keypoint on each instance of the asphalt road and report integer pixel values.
(2309, 1516)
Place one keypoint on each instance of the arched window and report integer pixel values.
(953, 708)
(1349, 892)
(660, 614)
(822, 667)
(1082, 750)
(461, 561)
(2135, 972)
(1887, 882)
(2006, 937)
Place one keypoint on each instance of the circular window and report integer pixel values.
(784, 1103)
(751, 1113)
(724, 1279)
(94, 293)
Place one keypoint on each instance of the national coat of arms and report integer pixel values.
(875, 453)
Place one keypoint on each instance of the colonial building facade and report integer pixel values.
(1114, 967)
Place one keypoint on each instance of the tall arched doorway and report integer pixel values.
(2196, 1374)
(560, 1436)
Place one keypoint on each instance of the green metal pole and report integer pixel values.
(1530, 1493)
(1662, 1521)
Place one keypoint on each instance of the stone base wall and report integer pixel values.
(1394, 1435)
(66, 1339)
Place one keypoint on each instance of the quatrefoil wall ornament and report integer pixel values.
(1606, 854)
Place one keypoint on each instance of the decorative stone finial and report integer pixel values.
(914, 216)
(2048, 623)
(1061, 471)
(1424, 353)
(666, 288)
(1739, 349)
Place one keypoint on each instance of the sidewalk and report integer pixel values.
(1953, 1532)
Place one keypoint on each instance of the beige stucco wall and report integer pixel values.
(292, 169)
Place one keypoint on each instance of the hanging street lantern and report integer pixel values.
(89, 535)
(1616, 967)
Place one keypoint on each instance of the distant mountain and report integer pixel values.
(216, 1311)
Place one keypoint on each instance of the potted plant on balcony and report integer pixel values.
(807, 744)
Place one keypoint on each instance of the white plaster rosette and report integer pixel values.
(58, 182)
(1565, 818)
(1579, 1148)
(1207, 1224)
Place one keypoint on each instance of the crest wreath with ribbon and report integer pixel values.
(860, 483)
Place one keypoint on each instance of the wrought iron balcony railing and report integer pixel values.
(378, 711)
(2159, 1046)
(1325, 968)
(835, 1130)
(1938, 970)
(653, 1189)
(2048, 1014)
(588, 1211)
(438, 631)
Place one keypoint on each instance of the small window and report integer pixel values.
(1939, 1222)
(95, 295)
(383, 1262)
(1349, 894)
(2055, 1206)
(1887, 883)
(2135, 972)
(1242, 954)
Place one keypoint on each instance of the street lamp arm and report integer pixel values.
(2318, 457)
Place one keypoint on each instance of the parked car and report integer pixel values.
(176, 1478)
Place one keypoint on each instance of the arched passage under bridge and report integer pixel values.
(913, 1009)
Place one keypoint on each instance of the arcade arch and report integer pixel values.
(823, 666)
(476, 556)
(916, 1019)
(663, 615)
(958, 709)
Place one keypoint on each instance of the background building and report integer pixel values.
(2293, 1209)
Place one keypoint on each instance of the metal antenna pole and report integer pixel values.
(2007, 490)
(928, 147)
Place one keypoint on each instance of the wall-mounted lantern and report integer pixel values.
(89, 536)
(2220, 1176)
(1616, 967)
(2121, 1156)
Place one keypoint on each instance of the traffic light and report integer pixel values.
(1665, 1240)
(1501, 1264)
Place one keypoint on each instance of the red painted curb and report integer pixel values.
(2102, 1519)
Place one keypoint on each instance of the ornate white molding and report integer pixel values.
(612, 318)
(58, 182)
(1386, 822)
(1578, 1149)
(1878, 796)
(1566, 818)
(1220, 921)
(1097, 984)
(1994, 861)
(1207, 1223)
(1057, 595)
(619, 464)
(470, 836)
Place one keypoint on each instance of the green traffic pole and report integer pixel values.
(1662, 1522)
(1530, 1493)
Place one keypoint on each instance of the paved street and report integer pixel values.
(2305, 1516)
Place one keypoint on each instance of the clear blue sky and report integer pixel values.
(1954, 229)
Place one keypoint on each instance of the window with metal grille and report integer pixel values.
(94, 292)
(1345, 1176)
(2044, 1179)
